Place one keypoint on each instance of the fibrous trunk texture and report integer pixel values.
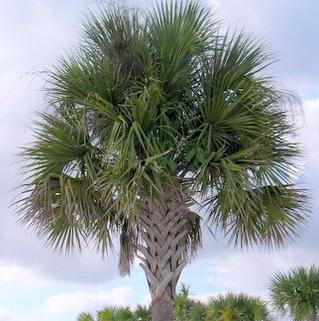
(162, 308)
(163, 251)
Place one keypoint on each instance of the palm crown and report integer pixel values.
(241, 307)
(162, 109)
(296, 293)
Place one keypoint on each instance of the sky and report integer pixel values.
(39, 284)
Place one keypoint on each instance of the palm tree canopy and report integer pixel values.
(115, 314)
(296, 293)
(186, 308)
(232, 307)
(159, 101)
(85, 317)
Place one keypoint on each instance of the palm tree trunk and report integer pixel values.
(162, 308)
(163, 251)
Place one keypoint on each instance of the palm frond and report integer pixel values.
(296, 293)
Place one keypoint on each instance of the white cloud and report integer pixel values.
(204, 298)
(280, 23)
(146, 300)
(310, 132)
(77, 302)
(215, 4)
(6, 315)
(251, 272)
(15, 275)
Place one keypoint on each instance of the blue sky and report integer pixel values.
(38, 284)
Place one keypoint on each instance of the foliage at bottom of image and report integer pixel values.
(229, 307)
(118, 314)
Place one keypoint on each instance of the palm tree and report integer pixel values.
(240, 307)
(151, 122)
(183, 304)
(296, 293)
(187, 309)
(114, 314)
(85, 317)
(142, 313)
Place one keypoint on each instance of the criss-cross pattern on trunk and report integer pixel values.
(163, 251)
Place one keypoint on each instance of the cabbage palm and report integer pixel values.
(115, 314)
(85, 317)
(183, 304)
(240, 307)
(296, 293)
(153, 122)
(142, 313)
(187, 309)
